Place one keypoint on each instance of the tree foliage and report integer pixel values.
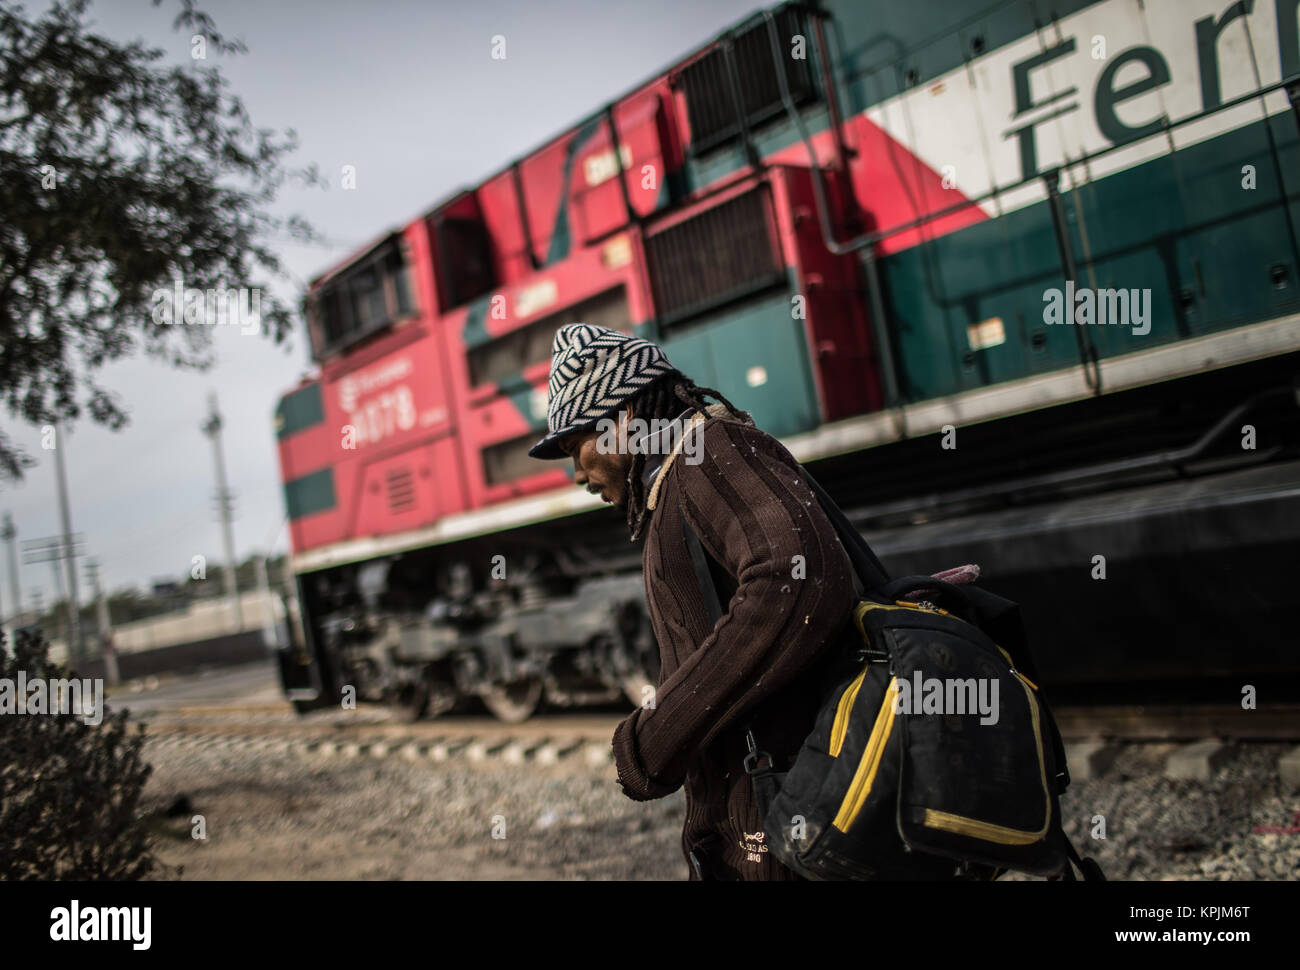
(120, 174)
(69, 791)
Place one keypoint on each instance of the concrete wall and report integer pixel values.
(206, 627)
(181, 658)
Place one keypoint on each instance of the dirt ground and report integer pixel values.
(279, 816)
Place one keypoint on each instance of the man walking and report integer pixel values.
(772, 548)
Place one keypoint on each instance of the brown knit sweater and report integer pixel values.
(754, 514)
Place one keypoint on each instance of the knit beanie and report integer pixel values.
(594, 371)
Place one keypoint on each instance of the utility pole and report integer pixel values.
(225, 507)
(61, 596)
(37, 599)
(74, 612)
(8, 533)
(105, 627)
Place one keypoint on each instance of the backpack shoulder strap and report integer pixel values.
(755, 760)
(700, 563)
(867, 568)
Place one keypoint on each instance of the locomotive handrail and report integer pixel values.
(1176, 459)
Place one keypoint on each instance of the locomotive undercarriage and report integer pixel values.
(541, 638)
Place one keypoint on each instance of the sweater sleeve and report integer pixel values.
(756, 515)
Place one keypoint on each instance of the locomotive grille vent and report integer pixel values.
(401, 490)
(723, 254)
(709, 100)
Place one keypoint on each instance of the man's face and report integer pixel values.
(601, 471)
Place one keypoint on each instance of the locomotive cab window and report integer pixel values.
(365, 298)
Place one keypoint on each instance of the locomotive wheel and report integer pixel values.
(413, 702)
(514, 702)
(443, 699)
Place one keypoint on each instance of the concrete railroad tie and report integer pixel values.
(482, 750)
(599, 754)
(551, 752)
(1089, 759)
(1197, 761)
(517, 752)
(444, 750)
(1288, 768)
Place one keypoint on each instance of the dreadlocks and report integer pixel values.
(665, 399)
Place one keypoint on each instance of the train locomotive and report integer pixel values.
(1017, 281)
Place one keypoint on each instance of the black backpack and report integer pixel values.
(933, 755)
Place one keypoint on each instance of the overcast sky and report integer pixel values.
(408, 93)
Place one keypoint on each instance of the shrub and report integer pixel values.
(69, 791)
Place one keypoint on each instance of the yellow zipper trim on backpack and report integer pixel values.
(863, 605)
(987, 830)
(925, 609)
(865, 776)
(840, 726)
(1012, 664)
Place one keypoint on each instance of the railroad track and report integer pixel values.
(1092, 734)
(1121, 723)
(540, 751)
(582, 739)
(1280, 722)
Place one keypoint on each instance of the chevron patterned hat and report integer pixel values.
(593, 372)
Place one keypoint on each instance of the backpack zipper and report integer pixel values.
(865, 776)
(840, 726)
(925, 606)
